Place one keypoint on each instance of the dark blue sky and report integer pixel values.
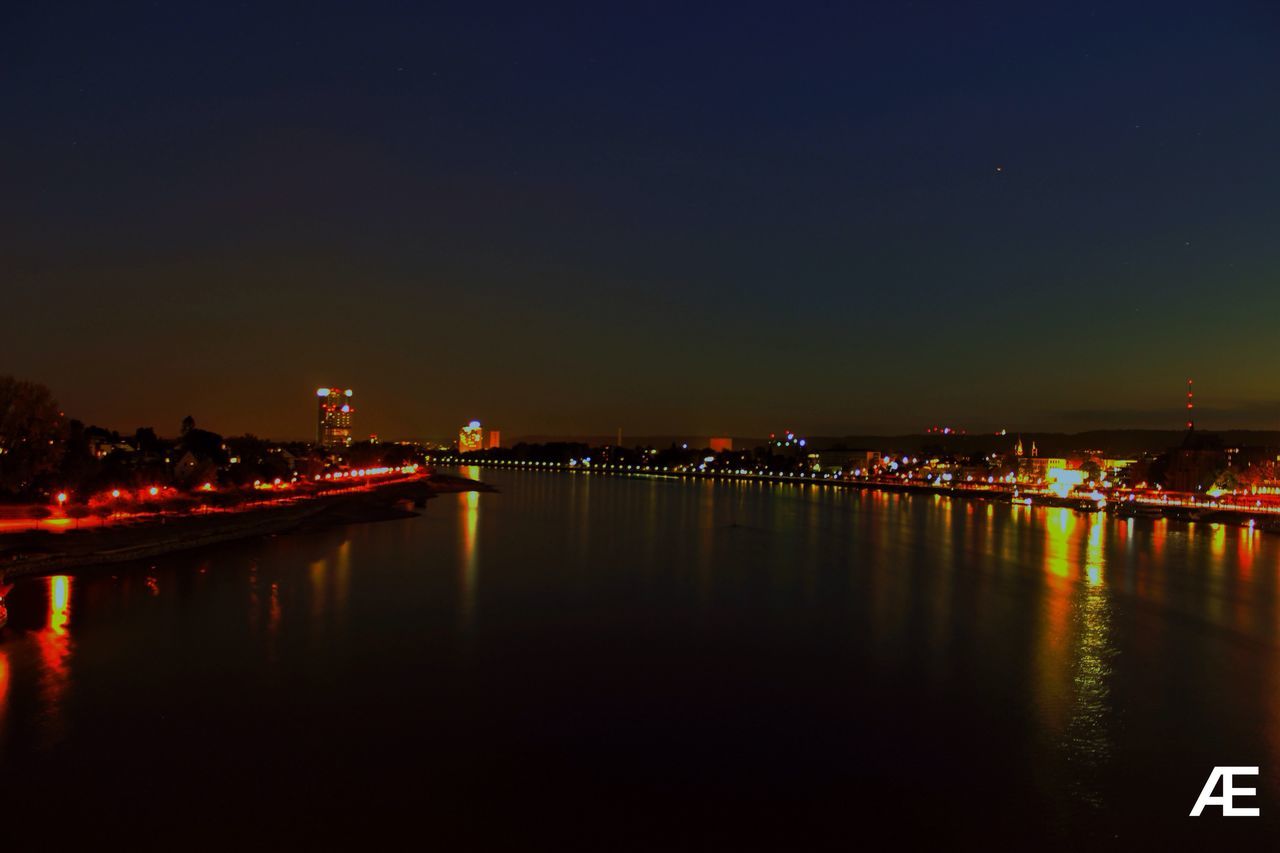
(673, 218)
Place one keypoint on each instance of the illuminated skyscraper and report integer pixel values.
(471, 437)
(333, 419)
(493, 439)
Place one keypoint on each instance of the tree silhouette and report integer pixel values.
(31, 434)
(146, 440)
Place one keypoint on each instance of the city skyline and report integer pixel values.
(845, 220)
(334, 425)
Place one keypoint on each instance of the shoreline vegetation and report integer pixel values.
(41, 552)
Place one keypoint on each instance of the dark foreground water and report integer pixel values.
(605, 664)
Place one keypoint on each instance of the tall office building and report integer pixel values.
(493, 439)
(333, 419)
(471, 437)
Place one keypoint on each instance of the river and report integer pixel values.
(578, 661)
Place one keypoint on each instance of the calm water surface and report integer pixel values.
(635, 663)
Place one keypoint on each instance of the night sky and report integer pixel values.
(674, 218)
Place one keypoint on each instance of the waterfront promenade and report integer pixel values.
(139, 536)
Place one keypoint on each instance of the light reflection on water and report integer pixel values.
(1075, 665)
(469, 521)
(1087, 737)
(4, 690)
(55, 647)
(342, 581)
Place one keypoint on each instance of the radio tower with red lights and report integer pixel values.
(1191, 423)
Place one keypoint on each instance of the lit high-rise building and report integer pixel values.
(471, 437)
(493, 439)
(333, 420)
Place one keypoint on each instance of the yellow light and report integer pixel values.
(59, 604)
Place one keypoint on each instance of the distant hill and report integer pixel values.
(1111, 442)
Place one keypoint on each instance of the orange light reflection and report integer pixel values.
(470, 518)
(54, 645)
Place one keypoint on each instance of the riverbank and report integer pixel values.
(40, 552)
(1171, 508)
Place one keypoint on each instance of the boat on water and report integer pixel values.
(1132, 509)
(1080, 503)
